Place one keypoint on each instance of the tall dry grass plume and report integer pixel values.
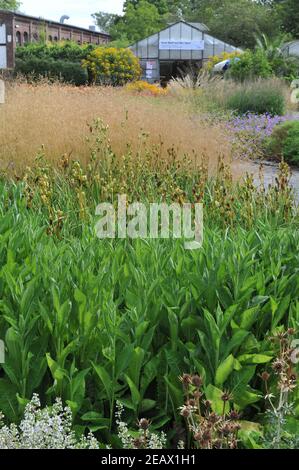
(57, 117)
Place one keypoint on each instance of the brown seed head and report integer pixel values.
(138, 443)
(213, 418)
(197, 395)
(225, 397)
(186, 412)
(197, 381)
(144, 424)
(278, 365)
(186, 379)
(234, 415)
(192, 402)
(265, 376)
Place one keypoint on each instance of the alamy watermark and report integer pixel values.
(153, 221)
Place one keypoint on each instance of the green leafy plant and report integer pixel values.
(35, 69)
(68, 51)
(258, 97)
(251, 65)
(112, 66)
(284, 142)
(96, 322)
(211, 423)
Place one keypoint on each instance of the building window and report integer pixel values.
(50, 38)
(35, 37)
(18, 38)
(26, 37)
(55, 38)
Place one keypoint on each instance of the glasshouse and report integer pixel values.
(292, 48)
(164, 54)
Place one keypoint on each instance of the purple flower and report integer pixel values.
(249, 131)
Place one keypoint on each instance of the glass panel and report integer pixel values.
(153, 46)
(209, 40)
(149, 47)
(197, 55)
(164, 55)
(209, 51)
(175, 55)
(186, 55)
(175, 32)
(219, 47)
(142, 48)
(165, 34)
(186, 32)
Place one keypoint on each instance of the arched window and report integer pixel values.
(55, 38)
(26, 37)
(18, 38)
(35, 37)
(50, 38)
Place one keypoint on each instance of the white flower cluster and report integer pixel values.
(145, 440)
(157, 441)
(48, 428)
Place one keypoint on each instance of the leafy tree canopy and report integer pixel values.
(140, 20)
(288, 11)
(9, 4)
(234, 21)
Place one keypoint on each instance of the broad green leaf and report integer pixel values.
(254, 358)
(244, 396)
(57, 372)
(136, 397)
(104, 377)
(224, 370)
(136, 364)
(147, 405)
(248, 318)
(8, 400)
(214, 395)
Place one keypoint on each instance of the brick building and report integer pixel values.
(19, 29)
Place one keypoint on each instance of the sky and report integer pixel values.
(79, 11)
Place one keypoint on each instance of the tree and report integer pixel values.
(234, 21)
(138, 22)
(238, 21)
(288, 10)
(273, 50)
(9, 4)
(105, 21)
(161, 5)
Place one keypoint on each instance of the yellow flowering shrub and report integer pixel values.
(146, 88)
(213, 60)
(112, 66)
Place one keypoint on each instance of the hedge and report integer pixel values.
(69, 72)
